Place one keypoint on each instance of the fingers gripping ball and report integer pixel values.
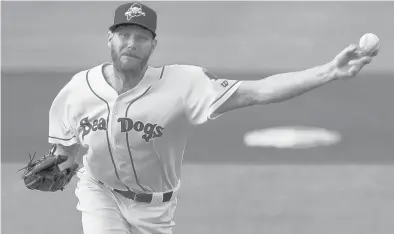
(45, 175)
(369, 44)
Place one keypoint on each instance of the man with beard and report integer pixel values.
(134, 120)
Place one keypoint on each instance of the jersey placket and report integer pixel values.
(130, 99)
(113, 131)
(119, 109)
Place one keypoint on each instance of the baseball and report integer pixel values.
(369, 43)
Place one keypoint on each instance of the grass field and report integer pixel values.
(229, 188)
(276, 199)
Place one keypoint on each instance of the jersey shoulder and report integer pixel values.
(183, 73)
(78, 80)
(75, 80)
(72, 89)
(184, 68)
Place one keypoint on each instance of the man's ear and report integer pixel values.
(154, 44)
(110, 36)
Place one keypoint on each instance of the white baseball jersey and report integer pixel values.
(136, 139)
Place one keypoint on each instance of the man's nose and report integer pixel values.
(131, 43)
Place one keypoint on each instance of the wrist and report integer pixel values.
(328, 71)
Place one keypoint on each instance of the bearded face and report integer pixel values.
(131, 47)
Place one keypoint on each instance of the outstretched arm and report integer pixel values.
(281, 87)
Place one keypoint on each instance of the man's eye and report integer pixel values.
(122, 34)
(142, 38)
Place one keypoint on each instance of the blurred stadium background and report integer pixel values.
(346, 188)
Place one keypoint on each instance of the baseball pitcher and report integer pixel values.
(134, 120)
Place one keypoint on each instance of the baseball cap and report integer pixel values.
(137, 14)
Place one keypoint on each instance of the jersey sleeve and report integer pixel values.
(60, 129)
(206, 94)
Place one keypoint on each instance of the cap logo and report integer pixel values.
(134, 11)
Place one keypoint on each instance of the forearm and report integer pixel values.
(70, 151)
(281, 87)
(285, 86)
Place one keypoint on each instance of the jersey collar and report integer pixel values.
(100, 86)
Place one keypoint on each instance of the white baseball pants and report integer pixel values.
(105, 211)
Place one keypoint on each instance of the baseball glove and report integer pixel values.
(45, 175)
